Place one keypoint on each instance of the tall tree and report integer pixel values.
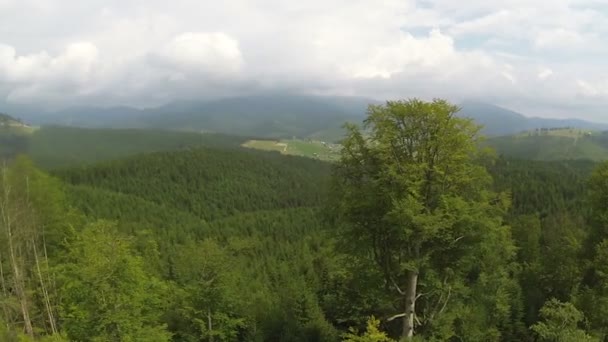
(559, 323)
(33, 224)
(107, 294)
(410, 195)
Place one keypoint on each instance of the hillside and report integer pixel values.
(14, 136)
(56, 147)
(254, 217)
(559, 144)
(499, 121)
(248, 219)
(252, 180)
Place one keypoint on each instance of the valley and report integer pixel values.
(196, 216)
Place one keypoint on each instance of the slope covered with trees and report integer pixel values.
(229, 244)
(561, 144)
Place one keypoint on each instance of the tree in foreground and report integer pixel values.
(107, 294)
(409, 194)
(559, 323)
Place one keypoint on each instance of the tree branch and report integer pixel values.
(395, 317)
(397, 287)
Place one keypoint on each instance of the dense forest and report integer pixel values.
(415, 234)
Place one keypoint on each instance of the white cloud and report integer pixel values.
(203, 52)
(142, 52)
(38, 75)
(487, 24)
(406, 52)
(558, 38)
(598, 89)
(545, 73)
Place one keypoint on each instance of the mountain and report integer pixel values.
(501, 121)
(277, 116)
(270, 116)
(97, 117)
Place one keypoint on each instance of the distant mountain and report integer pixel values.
(270, 116)
(276, 116)
(98, 117)
(500, 121)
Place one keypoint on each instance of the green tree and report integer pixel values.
(593, 297)
(209, 304)
(34, 223)
(559, 323)
(410, 195)
(107, 295)
(372, 334)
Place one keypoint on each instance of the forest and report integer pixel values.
(415, 234)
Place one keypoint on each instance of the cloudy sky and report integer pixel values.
(542, 57)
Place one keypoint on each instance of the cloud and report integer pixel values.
(202, 52)
(559, 38)
(38, 75)
(545, 73)
(536, 53)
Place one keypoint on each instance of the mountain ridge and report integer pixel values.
(280, 116)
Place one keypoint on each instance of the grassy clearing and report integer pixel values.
(305, 148)
(574, 133)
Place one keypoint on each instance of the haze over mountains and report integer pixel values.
(275, 115)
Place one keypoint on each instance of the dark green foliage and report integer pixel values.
(210, 183)
(536, 146)
(542, 187)
(106, 293)
(55, 147)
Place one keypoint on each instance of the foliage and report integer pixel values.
(60, 147)
(107, 295)
(541, 146)
(559, 323)
(371, 334)
(412, 197)
(160, 245)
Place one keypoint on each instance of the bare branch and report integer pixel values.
(397, 287)
(447, 299)
(395, 317)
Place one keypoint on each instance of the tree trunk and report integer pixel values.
(18, 281)
(45, 294)
(7, 318)
(410, 305)
(210, 325)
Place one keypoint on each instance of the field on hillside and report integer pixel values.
(574, 133)
(305, 148)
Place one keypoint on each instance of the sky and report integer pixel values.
(546, 58)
